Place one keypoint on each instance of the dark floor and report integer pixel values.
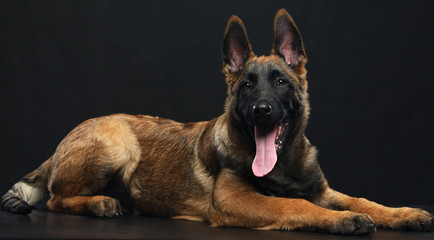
(42, 224)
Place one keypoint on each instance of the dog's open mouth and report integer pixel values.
(269, 139)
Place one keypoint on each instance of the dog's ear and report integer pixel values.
(236, 46)
(288, 42)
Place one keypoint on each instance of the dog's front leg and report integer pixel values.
(404, 218)
(237, 204)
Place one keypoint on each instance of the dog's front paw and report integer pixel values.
(413, 219)
(350, 223)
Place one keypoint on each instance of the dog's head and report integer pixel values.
(267, 94)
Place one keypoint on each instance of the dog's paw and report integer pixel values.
(349, 223)
(412, 219)
(108, 207)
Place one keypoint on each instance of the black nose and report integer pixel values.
(262, 108)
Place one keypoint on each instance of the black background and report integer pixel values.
(371, 68)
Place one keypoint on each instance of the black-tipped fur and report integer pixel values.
(206, 171)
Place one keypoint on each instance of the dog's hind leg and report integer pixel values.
(77, 178)
(100, 206)
(95, 156)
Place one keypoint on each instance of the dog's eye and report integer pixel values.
(281, 81)
(247, 85)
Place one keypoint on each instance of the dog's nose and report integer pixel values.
(262, 108)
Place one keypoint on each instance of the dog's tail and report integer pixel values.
(28, 191)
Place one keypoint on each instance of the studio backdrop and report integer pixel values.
(370, 72)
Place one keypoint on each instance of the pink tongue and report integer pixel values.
(266, 156)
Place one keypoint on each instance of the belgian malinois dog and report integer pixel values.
(251, 167)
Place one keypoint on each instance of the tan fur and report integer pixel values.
(113, 143)
(247, 208)
(120, 143)
(201, 174)
(385, 217)
(202, 171)
(100, 206)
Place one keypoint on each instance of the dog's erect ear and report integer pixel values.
(236, 46)
(288, 42)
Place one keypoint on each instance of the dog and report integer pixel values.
(251, 167)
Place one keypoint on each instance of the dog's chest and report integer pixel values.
(283, 184)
